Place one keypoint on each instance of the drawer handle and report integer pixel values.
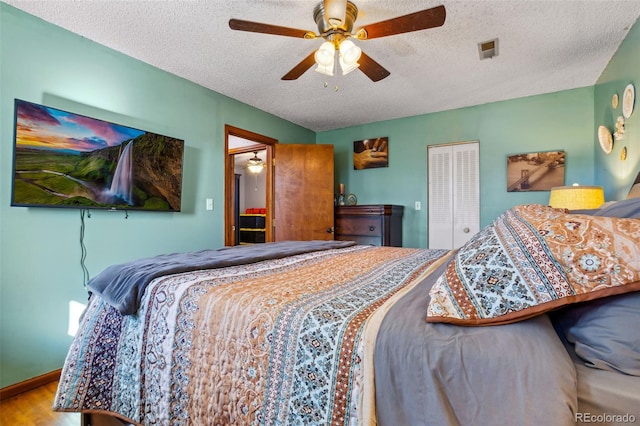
(372, 228)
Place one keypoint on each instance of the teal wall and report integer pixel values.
(39, 250)
(557, 121)
(611, 172)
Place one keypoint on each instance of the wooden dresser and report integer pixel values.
(375, 224)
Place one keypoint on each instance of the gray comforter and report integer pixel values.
(441, 374)
(123, 285)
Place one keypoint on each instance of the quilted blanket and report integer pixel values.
(280, 341)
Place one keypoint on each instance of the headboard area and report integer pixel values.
(634, 191)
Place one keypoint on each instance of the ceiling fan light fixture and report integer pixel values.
(349, 52)
(335, 20)
(347, 68)
(325, 54)
(325, 70)
(255, 164)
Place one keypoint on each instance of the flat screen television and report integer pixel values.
(63, 159)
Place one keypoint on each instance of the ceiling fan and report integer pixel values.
(335, 19)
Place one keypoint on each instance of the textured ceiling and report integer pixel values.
(544, 46)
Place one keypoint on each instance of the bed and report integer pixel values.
(499, 332)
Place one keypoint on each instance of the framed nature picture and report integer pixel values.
(371, 153)
(535, 171)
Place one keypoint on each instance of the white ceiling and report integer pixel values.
(544, 46)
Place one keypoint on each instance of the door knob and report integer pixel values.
(466, 230)
(330, 230)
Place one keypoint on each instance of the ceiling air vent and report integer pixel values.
(488, 49)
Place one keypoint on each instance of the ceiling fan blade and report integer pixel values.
(425, 19)
(258, 27)
(301, 68)
(371, 68)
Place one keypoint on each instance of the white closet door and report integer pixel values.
(454, 194)
(440, 199)
(466, 193)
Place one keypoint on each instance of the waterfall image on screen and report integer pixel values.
(123, 177)
(62, 159)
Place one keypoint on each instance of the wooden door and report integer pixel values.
(303, 192)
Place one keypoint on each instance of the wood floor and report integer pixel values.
(34, 408)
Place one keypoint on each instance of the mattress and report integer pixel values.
(605, 397)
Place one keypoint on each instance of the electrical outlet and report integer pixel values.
(209, 203)
(418, 205)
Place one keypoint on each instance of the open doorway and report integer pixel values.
(248, 195)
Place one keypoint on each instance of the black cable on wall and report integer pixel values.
(83, 248)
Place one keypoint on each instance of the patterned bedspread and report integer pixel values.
(274, 342)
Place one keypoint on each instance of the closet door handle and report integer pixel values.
(466, 230)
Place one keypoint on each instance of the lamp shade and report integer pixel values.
(349, 55)
(350, 52)
(325, 54)
(326, 70)
(576, 197)
(324, 57)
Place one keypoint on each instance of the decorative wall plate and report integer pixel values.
(352, 200)
(628, 98)
(606, 139)
(614, 101)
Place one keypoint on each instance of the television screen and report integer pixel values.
(62, 159)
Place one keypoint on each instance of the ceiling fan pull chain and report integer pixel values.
(335, 88)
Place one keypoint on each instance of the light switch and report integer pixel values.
(209, 203)
(418, 205)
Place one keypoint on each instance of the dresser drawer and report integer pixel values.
(361, 239)
(374, 224)
(366, 226)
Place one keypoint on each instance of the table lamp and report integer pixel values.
(576, 197)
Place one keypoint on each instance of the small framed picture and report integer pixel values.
(535, 171)
(371, 153)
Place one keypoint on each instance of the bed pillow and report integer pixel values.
(629, 208)
(605, 332)
(533, 259)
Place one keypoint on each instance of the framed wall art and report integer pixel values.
(535, 171)
(371, 153)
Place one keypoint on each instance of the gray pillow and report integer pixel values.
(605, 332)
(629, 208)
